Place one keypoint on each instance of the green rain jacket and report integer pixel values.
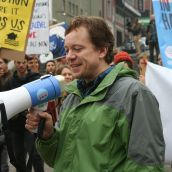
(117, 128)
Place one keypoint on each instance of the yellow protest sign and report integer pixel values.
(15, 16)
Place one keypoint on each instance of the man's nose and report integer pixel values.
(70, 54)
(67, 76)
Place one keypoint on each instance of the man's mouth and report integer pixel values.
(75, 65)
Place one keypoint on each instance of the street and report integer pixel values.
(168, 168)
(46, 167)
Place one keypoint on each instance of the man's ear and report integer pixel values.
(103, 52)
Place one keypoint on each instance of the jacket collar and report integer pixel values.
(117, 71)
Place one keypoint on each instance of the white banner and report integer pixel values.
(159, 81)
(38, 41)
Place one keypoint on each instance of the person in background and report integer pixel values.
(5, 76)
(136, 30)
(152, 40)
(159, 61)
(142, 62)
(61, 60)
(109, 121)
(50, 67)
(124, 57)
(33, 63)
(66, 71)
(22, 140)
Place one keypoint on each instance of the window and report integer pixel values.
(108, 8)
(76, 10)
(70, 8)
(81, 12)
(119, 38)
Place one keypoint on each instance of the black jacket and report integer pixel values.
(5, 82)
(17, 123)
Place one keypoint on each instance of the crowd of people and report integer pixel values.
(107, 120)
(136, 31)
(23, 72)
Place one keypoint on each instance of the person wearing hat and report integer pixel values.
(124, 57)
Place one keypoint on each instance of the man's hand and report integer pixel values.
(33, 119)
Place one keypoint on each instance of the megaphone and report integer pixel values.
(34, 93)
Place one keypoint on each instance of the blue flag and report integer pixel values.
(56, 40)
(57, 46)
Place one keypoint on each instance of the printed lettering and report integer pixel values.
(167, 20)
(165, 6)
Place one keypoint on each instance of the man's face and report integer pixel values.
(33, 64)
(142, 63)
(3, 67)
(51, 68)
(86, 61)
(21, 66)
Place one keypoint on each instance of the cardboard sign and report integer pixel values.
(11, 54)
(15, 19)
(38, 38)
(14, 23)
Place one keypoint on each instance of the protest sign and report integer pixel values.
(163, 19)
(14, 24)
(38, 40)
(159, 80)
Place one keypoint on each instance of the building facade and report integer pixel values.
(116, 13)
(65, 10)
(125, 12)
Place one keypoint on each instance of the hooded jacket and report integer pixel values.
(117, 128)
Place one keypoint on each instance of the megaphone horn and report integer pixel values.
(46, 88)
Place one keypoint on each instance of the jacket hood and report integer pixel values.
(118, 71)
(127, 71)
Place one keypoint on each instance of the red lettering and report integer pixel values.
(32, 35)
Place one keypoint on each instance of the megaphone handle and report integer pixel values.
(41, 127)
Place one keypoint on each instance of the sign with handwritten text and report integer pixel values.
(38, 38)
(163, 18)
(14, 23)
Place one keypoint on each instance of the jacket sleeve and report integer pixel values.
(146, 146)
(48, 148)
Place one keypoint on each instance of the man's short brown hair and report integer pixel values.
(99, 32)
